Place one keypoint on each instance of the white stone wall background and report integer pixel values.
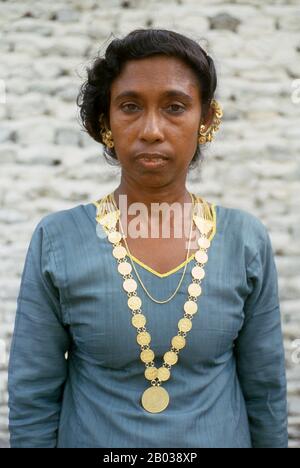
(48, 163)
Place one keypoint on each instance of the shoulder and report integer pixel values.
(242, 229)
(67, 221)
(239, 220)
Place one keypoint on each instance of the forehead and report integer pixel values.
(156, 73)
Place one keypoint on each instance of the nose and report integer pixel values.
(151, 127)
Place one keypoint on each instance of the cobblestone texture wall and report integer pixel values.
(47, 163)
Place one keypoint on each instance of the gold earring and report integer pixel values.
(106, 135)
(208, 135)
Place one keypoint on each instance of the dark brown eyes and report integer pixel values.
(130, 108)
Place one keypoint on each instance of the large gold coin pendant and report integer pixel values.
(155, 399)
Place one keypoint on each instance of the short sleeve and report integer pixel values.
(37, 364)
(260, 353)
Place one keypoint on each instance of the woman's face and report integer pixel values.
(146, 117)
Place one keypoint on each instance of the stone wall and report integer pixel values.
(47, 162)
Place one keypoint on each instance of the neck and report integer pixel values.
(147, 196)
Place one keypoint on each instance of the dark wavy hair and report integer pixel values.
(94, 95)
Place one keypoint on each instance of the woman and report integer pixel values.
(144, 366)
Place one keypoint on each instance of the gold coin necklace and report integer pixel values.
(155, 399)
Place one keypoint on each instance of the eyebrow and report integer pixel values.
(167, 93)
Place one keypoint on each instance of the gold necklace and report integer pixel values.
(112, 198)
(155, 398)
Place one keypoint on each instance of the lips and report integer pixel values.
(152, 160)
(152, 156)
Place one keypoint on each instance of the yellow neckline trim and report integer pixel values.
(168, 273)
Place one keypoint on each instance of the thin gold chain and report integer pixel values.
(111, 196)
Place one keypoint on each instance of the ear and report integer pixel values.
(107, 121)
(104, 122)
(208, 119)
